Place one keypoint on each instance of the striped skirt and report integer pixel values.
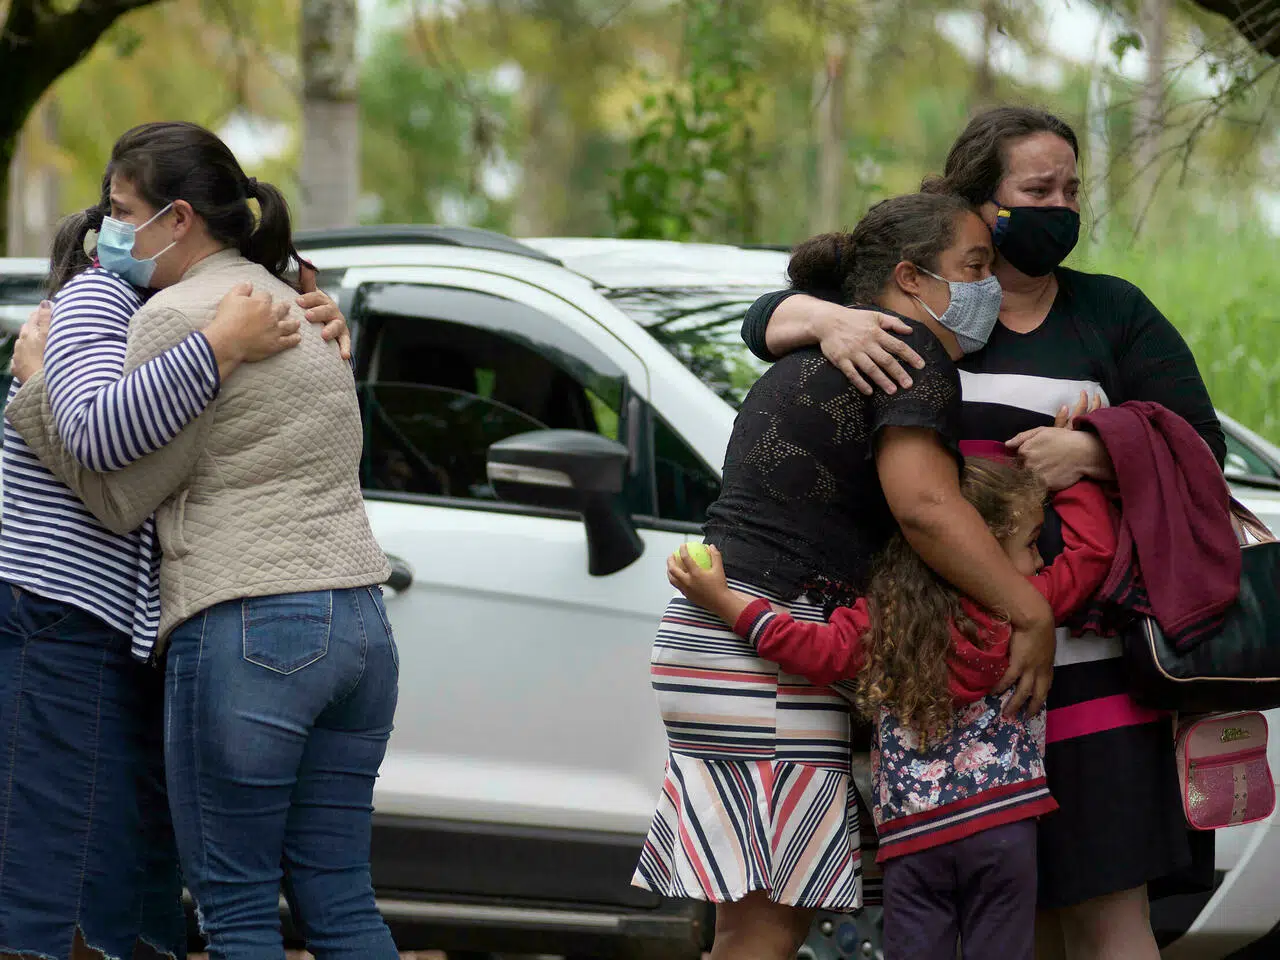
(757, 794)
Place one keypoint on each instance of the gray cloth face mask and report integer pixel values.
(973, 312)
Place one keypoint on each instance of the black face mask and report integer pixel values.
(1035, 239)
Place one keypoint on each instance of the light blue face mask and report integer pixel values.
(115, 249)
(973, 312)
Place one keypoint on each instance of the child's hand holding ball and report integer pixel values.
(697, 571)
(699, 552)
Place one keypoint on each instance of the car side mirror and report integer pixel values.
(572, 470)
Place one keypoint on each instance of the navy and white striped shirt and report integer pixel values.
(50, 543)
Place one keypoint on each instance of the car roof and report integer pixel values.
(415, 235)
(23, 266)
(611, 263)
(631, 264)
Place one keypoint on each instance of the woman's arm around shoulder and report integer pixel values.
(861, 343)
(106, 419)
(121, 499)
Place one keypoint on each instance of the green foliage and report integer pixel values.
(195, 60)
(426, 135)
(1124, 42)
(704, 113)
(693, 158)
(702, 328)
(1222, 291)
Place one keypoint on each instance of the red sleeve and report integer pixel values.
(1089, 546)
(820, 652)
(976, 669)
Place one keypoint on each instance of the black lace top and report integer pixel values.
(800, 506)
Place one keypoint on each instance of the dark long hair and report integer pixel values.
(172, 161)
(67, 256)
(976, 163)
(913, 609)
(854, 267)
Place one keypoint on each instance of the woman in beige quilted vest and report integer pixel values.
(281, 671)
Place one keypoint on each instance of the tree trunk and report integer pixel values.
(548, 148)
(37, 45)
(14, 205)
(33, 198)
(50, 180)
(1098, 147)
(330, 114)
(832, 150)
(1150, 120)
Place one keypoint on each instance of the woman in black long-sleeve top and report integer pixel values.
(1062, 334)
(755, 813)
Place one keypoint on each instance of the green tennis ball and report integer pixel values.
(699, 552)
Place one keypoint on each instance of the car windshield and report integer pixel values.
(702, 328)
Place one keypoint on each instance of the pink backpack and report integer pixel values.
(1223, 770)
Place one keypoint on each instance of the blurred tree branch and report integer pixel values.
(693, 159)
(1222, 95)
(1257, 20)
(39, 41)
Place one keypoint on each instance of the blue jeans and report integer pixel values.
(278, 710)
(86, 844)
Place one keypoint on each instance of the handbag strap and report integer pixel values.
(1248, 526)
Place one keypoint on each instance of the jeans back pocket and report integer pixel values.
(288, 631)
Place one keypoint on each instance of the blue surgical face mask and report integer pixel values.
(974, 310)
(115, 249)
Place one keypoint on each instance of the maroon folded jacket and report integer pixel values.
(1178, 558)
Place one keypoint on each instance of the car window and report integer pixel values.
(702, 328)
(1244, 463)
(444, 373)
(8, 339)
(19, 295)
(430, 440)
(686, 486)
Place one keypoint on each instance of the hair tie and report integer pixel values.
(250, 186)
(93, 218)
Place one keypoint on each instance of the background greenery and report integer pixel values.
(743, 121)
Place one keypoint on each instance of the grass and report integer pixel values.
(1222, 291)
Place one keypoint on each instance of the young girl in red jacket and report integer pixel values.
(957, 785)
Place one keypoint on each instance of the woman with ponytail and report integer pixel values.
(88, 854)
(757, 813)
(280, 671)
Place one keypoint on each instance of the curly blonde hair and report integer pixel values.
(913, 609)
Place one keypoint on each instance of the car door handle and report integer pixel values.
(401, 574)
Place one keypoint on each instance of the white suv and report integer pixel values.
(529, 575)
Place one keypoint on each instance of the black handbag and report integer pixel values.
(1237, 668)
